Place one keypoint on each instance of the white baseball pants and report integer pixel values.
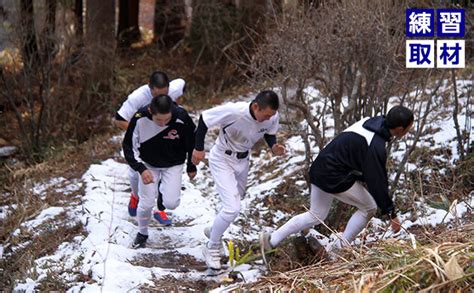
(170, 187)
(321, 202)
(230, 176)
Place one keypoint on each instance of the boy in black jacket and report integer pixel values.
(156, 144)
(355, 156)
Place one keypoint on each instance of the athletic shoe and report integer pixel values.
(162, 218)
(264, 240)
(140, 241)
(212, 256)
(334, 250)
(132, 205)
(265, 246)
(207, 233)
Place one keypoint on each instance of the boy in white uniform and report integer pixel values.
(139, 98)
(241, 126)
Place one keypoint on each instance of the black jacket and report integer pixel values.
(358, 153)
(160, 147)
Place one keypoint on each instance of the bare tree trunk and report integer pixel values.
(6, 92)
(29, 45)
(48, 52)
(78, 11)
(3, 12)
(188, 9)
(100, 39)
(128, 31)
(169, 25)
(48, 34)
(455, 116)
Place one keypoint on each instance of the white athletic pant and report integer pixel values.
(321, 202)
(133, 178)
(170, 187)
(230, 177)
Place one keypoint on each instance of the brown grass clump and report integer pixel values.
(388, 266)
(23, 248)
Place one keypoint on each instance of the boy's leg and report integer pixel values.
(171, 186)
(359, 197)
(241, 177)
(319, 209)
(133, 201)
(226, 185)
(147, 194)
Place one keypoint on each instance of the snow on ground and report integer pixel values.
(111, 231)
(104, 253)
(45, 215)
(6, 210)
(57, 185)
(6, 151)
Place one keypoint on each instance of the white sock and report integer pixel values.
(356, 224)
(218, 229)
(294, 225)
(143, 218)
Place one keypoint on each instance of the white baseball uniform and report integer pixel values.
(239, 132)
(139, 98)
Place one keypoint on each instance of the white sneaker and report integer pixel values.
(264, 239)
(265, 246)
(207, 233)
(334, 250)
(212, 257)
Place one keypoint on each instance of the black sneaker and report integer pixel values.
(140, 241)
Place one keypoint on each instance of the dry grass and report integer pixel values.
(388, 266)
(21, 249)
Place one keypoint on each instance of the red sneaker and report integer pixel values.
(162, 217)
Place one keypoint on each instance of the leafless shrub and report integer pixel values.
(220, 32)
(16, 192)
(433, 100)
(352, 52)
(351, 49)
(50, 91)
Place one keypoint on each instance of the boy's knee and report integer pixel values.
(171, 204)
(229, 215)
(371, 212)
(146, 202)
(231, 212)
(319, 214)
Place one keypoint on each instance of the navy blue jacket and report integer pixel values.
(357, 154)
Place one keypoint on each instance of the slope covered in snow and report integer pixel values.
(101, 259)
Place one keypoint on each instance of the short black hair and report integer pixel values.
(158, 79)
(399, 116)
(267, 99)
(161, 104)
